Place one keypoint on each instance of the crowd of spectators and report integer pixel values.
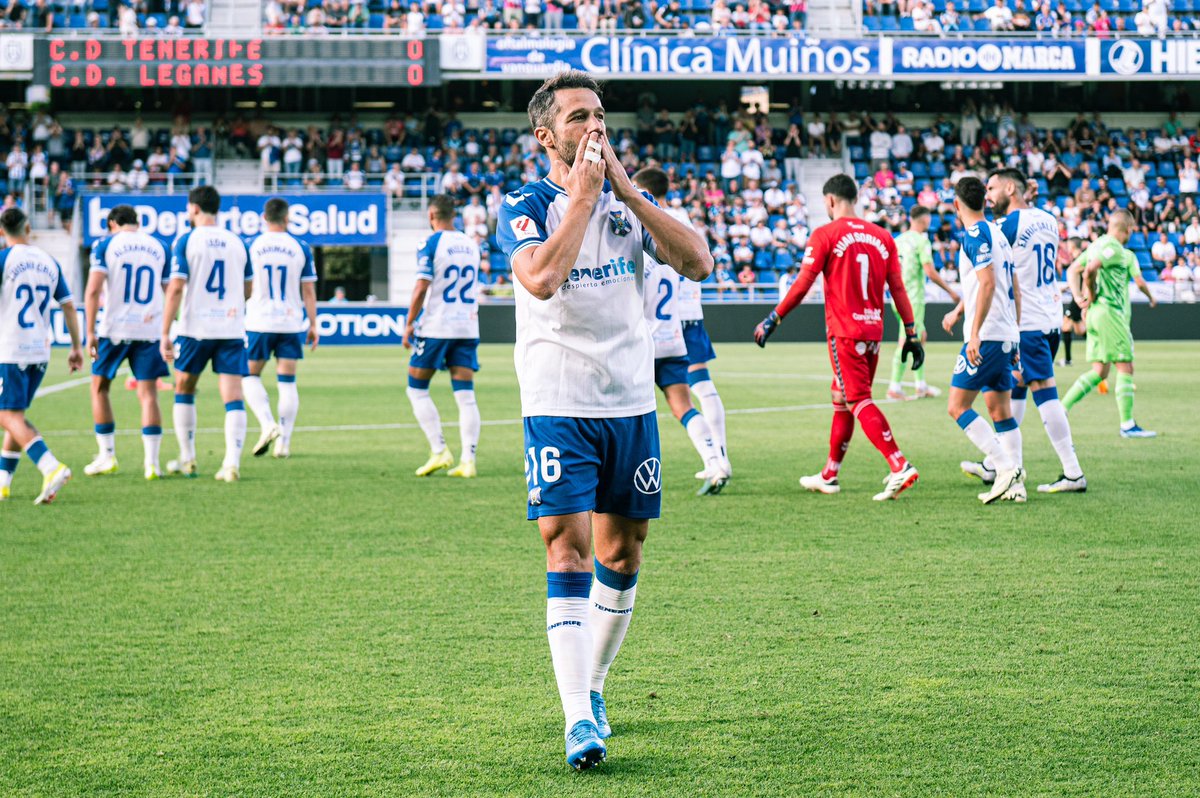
(1100, 18)
(1080, 173)
(132, 18)
(590, 16)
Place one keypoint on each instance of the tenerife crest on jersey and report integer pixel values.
(619, 224)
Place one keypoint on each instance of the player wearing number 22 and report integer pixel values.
(29, 278)
(857, 258)
(585, 362)
(285, 289)
(128, 269)
(213, 264)
(442, 329)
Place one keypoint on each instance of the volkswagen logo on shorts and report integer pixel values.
(648, 477)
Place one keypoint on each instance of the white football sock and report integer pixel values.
(184, 416)
(469, 422)
(11, 461)
(289, 407)
(1054, 419)
(151, 445)
(107, 441)
(611, 611)
(1010, 441)
(427, 416)
(41, 456)
(235, 433)
(714, 412)
(1018, 411)
(702, 437)
(984, 437)
(258, 401)
(571, 647)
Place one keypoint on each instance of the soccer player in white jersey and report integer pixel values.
(1033, 235)
(29, 279)
(213, 264)
(285, 289)
(991, 302)
(128, 270)
(585, 363)
(670, 351)
(442, 330)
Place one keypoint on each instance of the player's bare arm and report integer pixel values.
(987, 290)
(414, 309)
(91, 309)
(1090, 274)
(543, 269)
(678, 246)
(1075, 282)
(1140, 282)
(309, 292)
(249, 288)
(71, 319)
(951, 318)
(171, 300)
(1016, 291)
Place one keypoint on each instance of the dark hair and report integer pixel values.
(972, 192)
(275, 211)
(652, 179)
(443, 207)
(122, 215)
(1009, 173)
(917, 212)
(13, 221)
(543, 105)
(206, 198)
(841, 186)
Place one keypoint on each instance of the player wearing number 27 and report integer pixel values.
(213, 265)
(578, 246)
(442, 329)
(857, 258)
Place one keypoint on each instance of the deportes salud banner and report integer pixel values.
(358, 220)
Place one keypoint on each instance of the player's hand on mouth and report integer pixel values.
(586, 177)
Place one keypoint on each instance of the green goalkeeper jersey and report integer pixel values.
(915, 251)
(1117, 267)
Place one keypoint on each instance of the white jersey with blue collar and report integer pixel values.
(29, 279)
(281, 264)
(135, 267)
(1033, 234)
(983, 247)
(216, 264)
(449, 260)
(662, 310)
(585, 352)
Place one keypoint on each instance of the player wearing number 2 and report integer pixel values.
(128, 268)
(857, 258)
(213, 264)
(442, 329)
(1033, 235)
(285, 289)
(578, 245)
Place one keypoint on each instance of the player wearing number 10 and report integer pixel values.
(128, 268)
(442, 329)
(285, 288)
(213, 264)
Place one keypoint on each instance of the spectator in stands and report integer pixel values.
(880, 144)
(314, 178)
(354, 179)
(901, 145)
(1163, 252)
(196, 14)
(999, 16)
(1156, 11)
(270, 151)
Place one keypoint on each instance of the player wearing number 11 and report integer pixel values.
(213, 264)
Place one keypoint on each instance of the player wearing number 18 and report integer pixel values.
(285, 289)
(213, 264)
(857, 258)
(128, 268)
(442, 330)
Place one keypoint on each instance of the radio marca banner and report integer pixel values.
(318, 219)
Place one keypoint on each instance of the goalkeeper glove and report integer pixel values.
(912, 346)
(765, 327)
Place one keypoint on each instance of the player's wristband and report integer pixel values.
(910, 329)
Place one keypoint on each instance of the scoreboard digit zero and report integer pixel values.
(191, 62)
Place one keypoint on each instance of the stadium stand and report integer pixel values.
(130, 19)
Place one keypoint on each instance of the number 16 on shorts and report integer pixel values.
(542, 467)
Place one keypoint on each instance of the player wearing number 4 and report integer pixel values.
(28, 279)
(128, 270)
(857, 258)
(578, 245)
(992, 306)
(442, 330)
(285, 288)
(213, 264)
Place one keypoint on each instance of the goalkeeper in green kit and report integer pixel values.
(1099, 279)
(916, 263)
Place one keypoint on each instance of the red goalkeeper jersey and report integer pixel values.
(857, 258)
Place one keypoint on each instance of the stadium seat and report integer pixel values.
(906, 24)
(1117, 187)
(920, 170)
(872, 23)
(1166, 169)
(1137, 241)
(889, 24)
(784, 260)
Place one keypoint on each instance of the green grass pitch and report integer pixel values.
(333, 626)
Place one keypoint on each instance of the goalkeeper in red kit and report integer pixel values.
(857, 258)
